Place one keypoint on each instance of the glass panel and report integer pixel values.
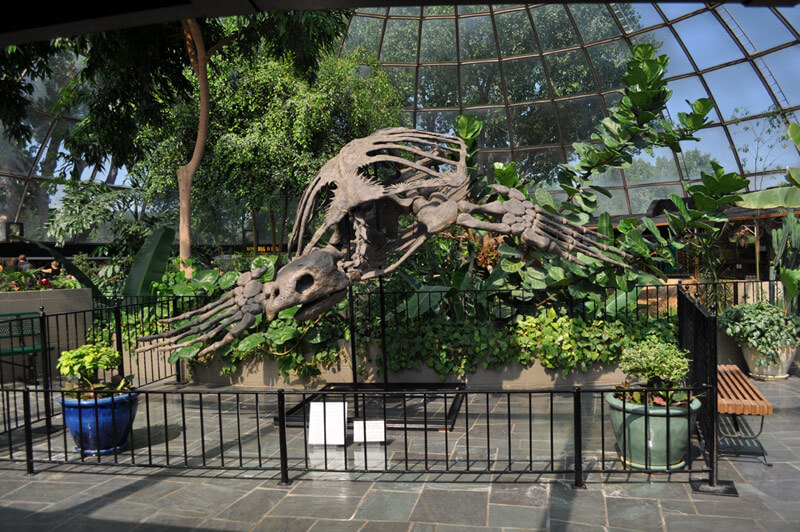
(495, 127)
(122, 178)
(579, 118)
(438, 40)
(615, 205)
(39, 199)
(364, 33)
(612, 177)
(65, 67)
(696, 157)
(408, 11)
(749, 97)
(666, 43)
(761, 27)
(525, 79)
(437, 121)
(403, 78)
(372, 10)
(762, 146)
(10, 196)
(540, 167)
(477, 38)
(49, 163)
(638, 16)
(569, 73)
(515, 33)
(480, 84)
(707, 41)
(673, 10)
(641, 198)
(438, 86)
(499, 7)
(18, 160)
(783, 65)
(439, 10)
(761, 182)
(612, 99)
(473, 9)
(652, 167)
(400, 41)
(534, 124)
(486, 159)
(554, 28)
(792, 14)
(610, 62)
(686, 89)
(594, 22)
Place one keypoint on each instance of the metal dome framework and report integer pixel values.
(541, 76)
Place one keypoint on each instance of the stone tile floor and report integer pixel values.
(105, 497)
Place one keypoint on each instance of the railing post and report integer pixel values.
(383, 334)
(118, 334)
(45, 368)
(26, 408)
(576, 416)
(282, 439)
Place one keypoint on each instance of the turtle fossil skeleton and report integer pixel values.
(364, 190)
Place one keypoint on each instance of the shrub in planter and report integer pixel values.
(653, 424)
(99, 414)
(767, 335)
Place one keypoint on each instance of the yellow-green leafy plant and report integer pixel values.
(662, 365)
(83, 366)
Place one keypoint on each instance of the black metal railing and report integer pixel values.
(560, 432)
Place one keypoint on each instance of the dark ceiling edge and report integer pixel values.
(85, 23)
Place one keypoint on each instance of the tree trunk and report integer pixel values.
(195, 47)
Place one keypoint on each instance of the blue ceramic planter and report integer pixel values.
(100, 426)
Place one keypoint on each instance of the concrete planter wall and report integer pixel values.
(265, 373)
(54, 302)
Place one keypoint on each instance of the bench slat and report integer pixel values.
(737, 395)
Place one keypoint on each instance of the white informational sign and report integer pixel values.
(375, 430)
(327, 427)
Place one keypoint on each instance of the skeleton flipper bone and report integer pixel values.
(430, 182)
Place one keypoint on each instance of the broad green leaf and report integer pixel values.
(183, 289)
(227, 280)
(510, 266)
(188, 352)
(150, 262)
(791, 283)
(248, 343)
(511, 251)
(605, 226)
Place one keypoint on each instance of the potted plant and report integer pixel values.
(767, 335)
(99, 414)
(653, 424)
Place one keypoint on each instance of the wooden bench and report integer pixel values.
(20, 335)
(737, 396)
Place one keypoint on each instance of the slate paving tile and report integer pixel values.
(677, 507)
(519, 494)
(692, 523)
(648, 490)
(386, 506)
(252, 507)
(459, 528)
(517, 516)
(384, 526)
(576, 513)
(327, 488)
(45, 492)
(422, 527)
(223, 525)
(316, 506)
(82, 523)
(167, 521)
(284, 524)
(622, 512)
(9, 485)
(328, 525)
(779, 526)
(452, 506)
(735, 508)
(202, 498)
(566, 526)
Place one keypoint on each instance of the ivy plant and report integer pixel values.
(763, 326)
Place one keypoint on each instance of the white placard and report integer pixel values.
(327, 427)
(375, 430)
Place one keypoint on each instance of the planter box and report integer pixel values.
(265, 373)
(53, 301)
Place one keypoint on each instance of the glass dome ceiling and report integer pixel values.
(541, 76)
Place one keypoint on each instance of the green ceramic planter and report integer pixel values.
(630, 432)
